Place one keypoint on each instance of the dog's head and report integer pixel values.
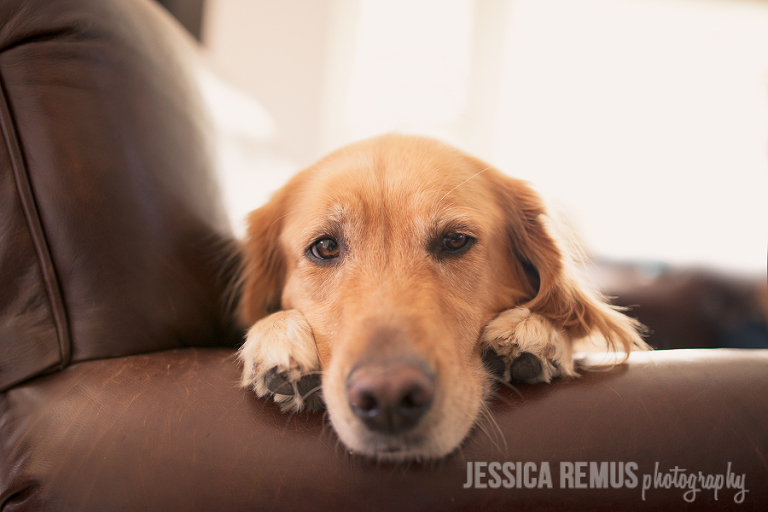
(399, 251)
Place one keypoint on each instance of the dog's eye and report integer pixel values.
(325, 249)
(456, 243)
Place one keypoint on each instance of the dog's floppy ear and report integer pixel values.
(263, 263)
(548, 261)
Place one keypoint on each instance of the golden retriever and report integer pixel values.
(405, 273)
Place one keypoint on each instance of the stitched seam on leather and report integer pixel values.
(35, 228)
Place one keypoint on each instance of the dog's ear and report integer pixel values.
(548, 260)
(263, 262)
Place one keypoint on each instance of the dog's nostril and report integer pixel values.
(415, 399)
(365, 402)
(390, 398)
(408, 402)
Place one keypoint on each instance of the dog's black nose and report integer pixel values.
(390, 398)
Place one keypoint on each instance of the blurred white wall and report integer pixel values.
(276, 51)
(645, 120)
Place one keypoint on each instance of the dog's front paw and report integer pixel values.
(525, 346)
(280, 360)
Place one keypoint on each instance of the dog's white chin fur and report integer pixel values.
(423, 443)
(439, 433)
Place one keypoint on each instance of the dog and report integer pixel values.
(402, 277)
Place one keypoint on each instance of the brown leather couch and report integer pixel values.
(118, 384)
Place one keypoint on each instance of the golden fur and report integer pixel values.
(390, 293)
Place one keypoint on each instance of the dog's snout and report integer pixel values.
(390, 398)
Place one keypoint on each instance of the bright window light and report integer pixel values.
(646, 120)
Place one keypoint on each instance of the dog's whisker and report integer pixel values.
(484, 430)
(291, 414)
(297, 210)
(278, 219)
(341, 450)
(486, 414)
(311, 392)
(327, 433)
(507, 385)
(500, 397)
(461, 454)
(471, 209)
(326, 419)
(462, 183)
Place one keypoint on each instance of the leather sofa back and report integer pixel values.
(113, 238)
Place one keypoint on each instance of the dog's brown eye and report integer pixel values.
(455, 242)
(325, 249)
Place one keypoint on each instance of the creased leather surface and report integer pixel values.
(114, 147)
(172, 431)
(29, 338)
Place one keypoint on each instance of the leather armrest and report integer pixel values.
(172, 431)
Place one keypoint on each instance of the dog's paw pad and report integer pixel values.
(526, 367)
(280, 383)
(291, 390)
(525, 346)
(494, 363)
(309, 384)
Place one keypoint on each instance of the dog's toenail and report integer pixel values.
(527, 366)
